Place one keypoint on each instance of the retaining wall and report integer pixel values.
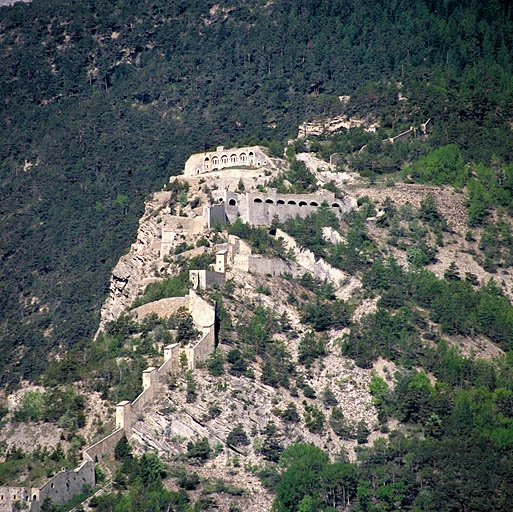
(104, 447)
(163, 307)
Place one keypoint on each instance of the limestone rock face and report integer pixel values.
(344, 283)
(138, 267)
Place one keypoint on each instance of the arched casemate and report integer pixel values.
(269, 201)
(292, 203)
(313, 203)
(257, 200)
(280, 202)
(335, 205)
(302, 203)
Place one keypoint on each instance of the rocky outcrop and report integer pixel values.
(344, 283)
(334, 124)
(140, 265)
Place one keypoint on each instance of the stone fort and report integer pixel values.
(222, 158)
(255, 207)
(260, 208)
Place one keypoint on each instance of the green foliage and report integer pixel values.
(310, 348)
(441, 166)
(121, 130)
(323, 315)
(215, 363)
(342, 427)
(122, 450)
(199, 451)
(191, 393)
(314, 418)
(237, 436)
(301, 179)
(290, 414)
(259, 238)
(64, 407)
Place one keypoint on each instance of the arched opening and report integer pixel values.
(292, 203)
(221, 200)
(302, 203)
(198, 171)
(215, 161)
(206, 163)
(251, 157)
(313, 203)
(280, 202)
(269, 201)
(257, 200)
(233, 159)
(232, 202)
(34, 498)
(242, 157)
(335, 205)
(224, 159)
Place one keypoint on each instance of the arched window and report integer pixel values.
(224, 159)
(257, 200)
(313, 203)
(242, 157)
(232, 202)
(215, 161)
(280, 202)
(302, 203)
(34, 498)
(233, 159)
(269, 201)
(206, 163)
(198, 171)
(292, 203)
(251, 157)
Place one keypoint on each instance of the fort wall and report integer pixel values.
(222, 158)
(259, 209)
(60, 489)
(202, 279)
(163, 307)
(105, 446)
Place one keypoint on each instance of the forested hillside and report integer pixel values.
(101, 101)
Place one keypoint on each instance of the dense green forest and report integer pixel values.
(102, 101)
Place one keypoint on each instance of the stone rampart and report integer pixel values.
(60, 489)
(201, 351)
(105, 446)
(215, 214)
(163, 307)
(259, 208)
(64, 485)
(202, 279)
(11, 495)
(271, 266)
